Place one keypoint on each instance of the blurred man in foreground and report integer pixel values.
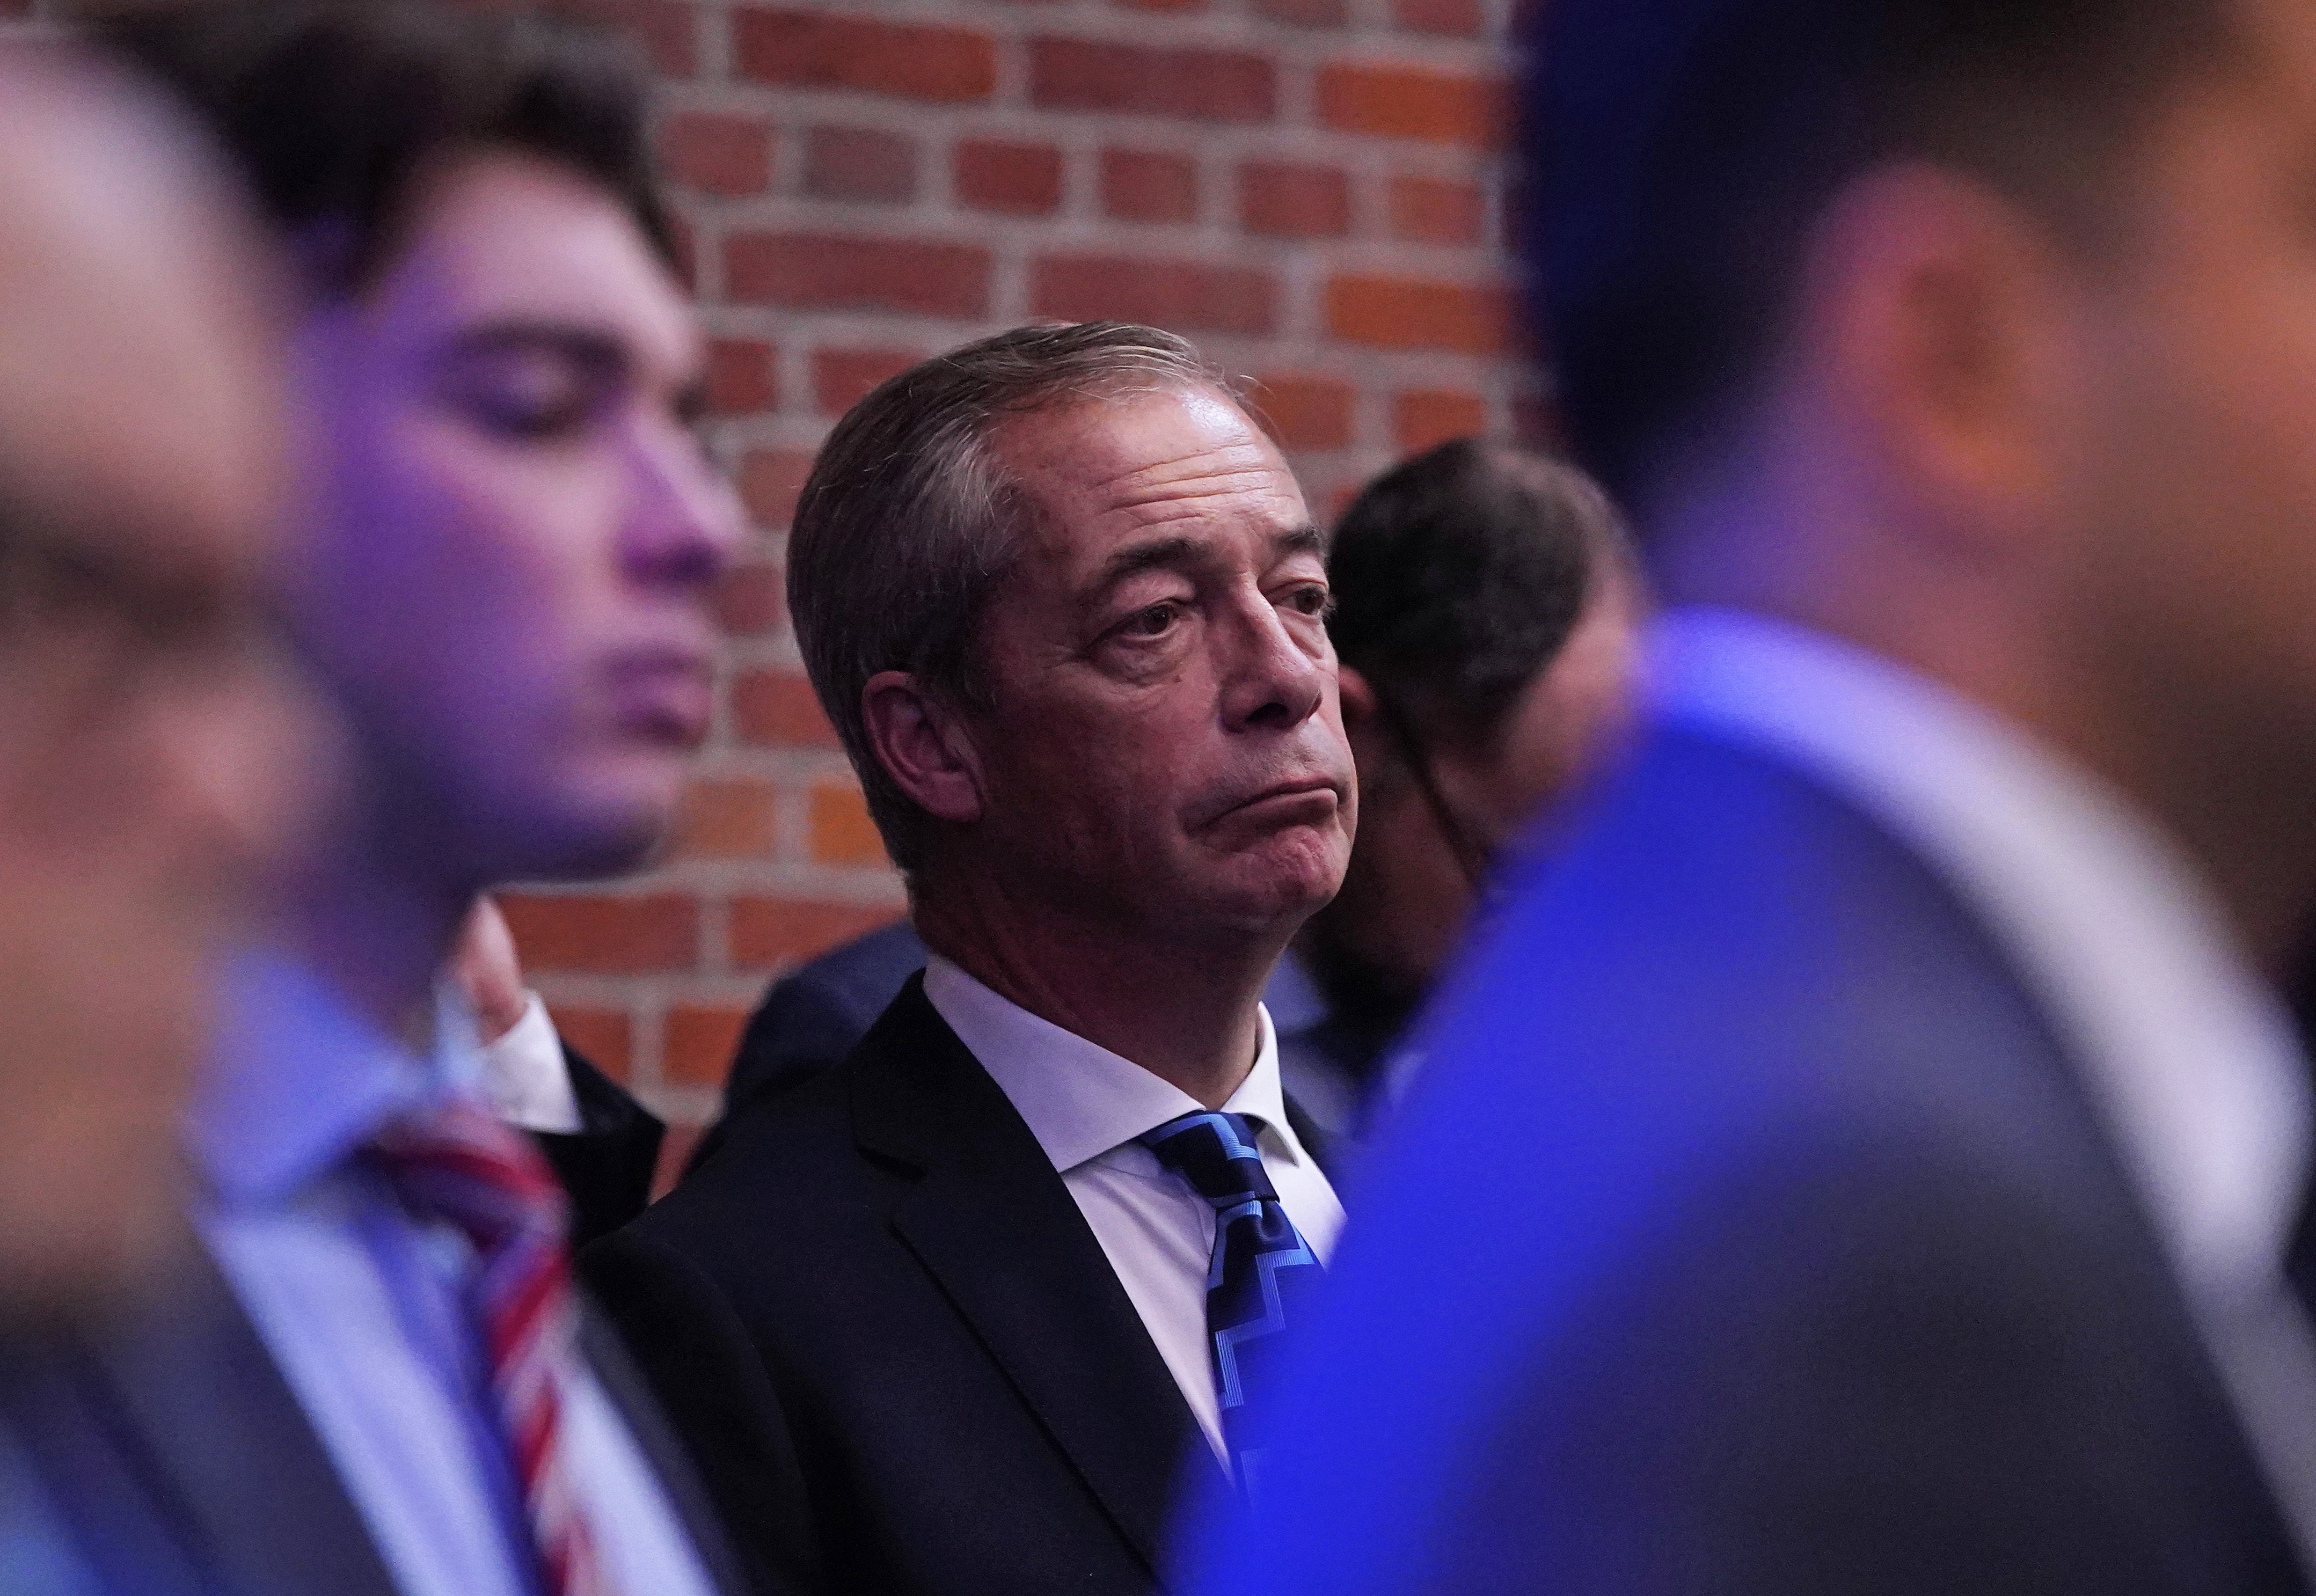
(1876, 1159)
(951, 1317)
(150, 754)
(153, 753)
(383, 1381)
(1486, 612)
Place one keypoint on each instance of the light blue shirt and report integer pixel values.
(359, 1304)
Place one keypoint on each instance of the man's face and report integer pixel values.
(2199, 466)
(519, 527)
(1166, 748)
(156, 754)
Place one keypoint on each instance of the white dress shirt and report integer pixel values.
(2188, 1054)
(1085, 1105)
(358, 1303)
(524, 1075)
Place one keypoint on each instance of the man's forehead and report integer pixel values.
(512, 240)
(1106, 471)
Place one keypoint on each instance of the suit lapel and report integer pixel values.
(607, 1359)
(192, 1394)
(991, 1222)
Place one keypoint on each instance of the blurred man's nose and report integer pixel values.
(685, 523)
(1272, 681)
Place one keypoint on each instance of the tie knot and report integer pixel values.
(1216, 1152)
(458, 1165)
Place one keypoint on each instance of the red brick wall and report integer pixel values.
(1311, 188)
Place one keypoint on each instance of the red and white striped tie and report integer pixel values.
(458, 1165)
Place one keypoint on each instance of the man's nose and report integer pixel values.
(685, 523)
(1275, 681)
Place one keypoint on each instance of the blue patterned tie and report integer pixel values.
(1262, 1271)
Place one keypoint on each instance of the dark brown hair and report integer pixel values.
(1682, 152)
(335, 109)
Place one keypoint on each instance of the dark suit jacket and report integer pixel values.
(1751, 1233)
(178, 1447)
(903, 1359)
(606, 1166)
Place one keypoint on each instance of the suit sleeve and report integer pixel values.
(710, 1379)
(606, 1166)
(804, 1028)
(1898, 1376)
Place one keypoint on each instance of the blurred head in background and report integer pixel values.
(515, 524)
(1487, 616)
(153, 748)
(1975, 332)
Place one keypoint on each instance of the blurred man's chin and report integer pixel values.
(608, 828)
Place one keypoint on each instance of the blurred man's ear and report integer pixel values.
(923, 745)
(1940, 324)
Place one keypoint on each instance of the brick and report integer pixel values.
(605, 1036)
(674, 1155)
(603, 935)
(751, 599)
(740, 380)
(1286, 200)
(1183, 295)
(1310, 412)
(667, 31)
(842, 378)
(728, 817)
(841, 832)
(817, 51)
(1121, 79)
(1304, 13)
(716, 153)
(1417, 313)
(1146, 187)
(770, 479)
(769, 933)
(1013, 179)
(778, 709)
(685, 247)
(827, 272)
(1453, 19)
(700, 1042)
(1437, 211)
(1425, 417)
(1399, 101)
(859, 164)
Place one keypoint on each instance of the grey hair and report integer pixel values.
(909, 520)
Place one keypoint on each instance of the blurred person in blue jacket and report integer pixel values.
(1875, 1157)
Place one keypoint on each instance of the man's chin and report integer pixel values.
(604, 835)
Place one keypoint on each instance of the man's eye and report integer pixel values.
(1156, 621)
(525, 417)
(1312, 600)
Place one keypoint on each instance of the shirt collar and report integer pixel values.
(302, 1079)
(2187, 1052)
(1079, 1099)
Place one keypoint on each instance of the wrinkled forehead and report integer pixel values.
(1105, 471)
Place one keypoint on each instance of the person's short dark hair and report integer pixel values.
(1681, 151)
(334, 110)
(1458, 576)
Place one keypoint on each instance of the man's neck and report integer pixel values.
(1187, 1012)
(380, 937)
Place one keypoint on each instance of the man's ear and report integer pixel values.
(1358, 695)
(1944, 332)
(923, 745)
